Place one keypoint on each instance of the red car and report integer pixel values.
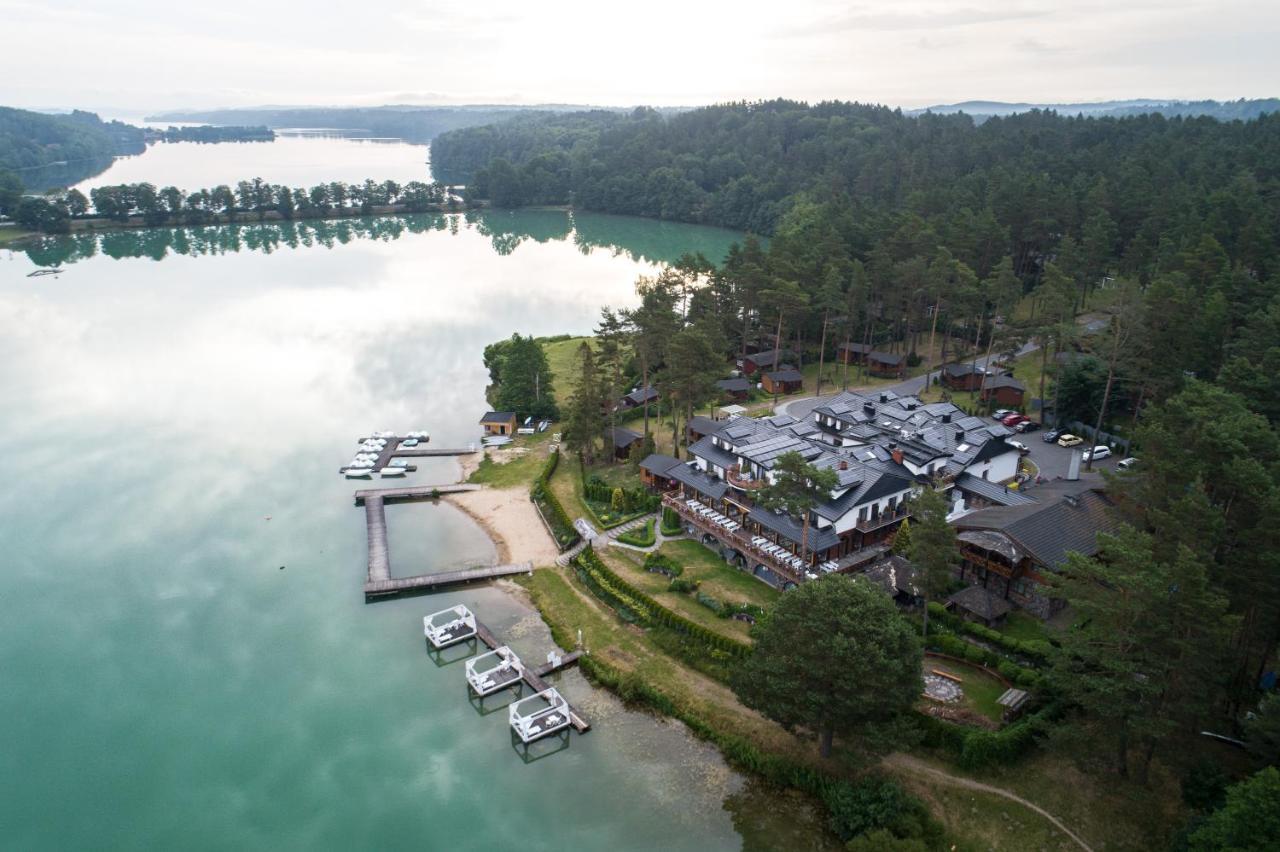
(1014, 419)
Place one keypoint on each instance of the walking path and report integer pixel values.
(911, 764)
(591, 536)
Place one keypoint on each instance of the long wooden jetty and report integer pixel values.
(385, 585)
(534, 677)
(410, 494)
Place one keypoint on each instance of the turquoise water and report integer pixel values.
(187, 658)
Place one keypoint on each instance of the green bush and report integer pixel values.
(671, 523)
(711, 604)
(640, 537)
(557, 518)
(874, 803)
(682, 587)
(664, 564)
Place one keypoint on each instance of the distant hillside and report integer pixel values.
(416, 124)
(30, 140)
(1222, 110)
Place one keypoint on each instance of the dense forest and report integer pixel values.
(29, 139)
(1242, 109)
(415, 124)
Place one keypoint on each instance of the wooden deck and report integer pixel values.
(410, 494)
(381, 584)
(393, 450)
(534, 676)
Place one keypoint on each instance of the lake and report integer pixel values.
(188, 660)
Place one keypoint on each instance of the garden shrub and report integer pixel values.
(641, 537)
(660, 563)
(682, 587)
(874, 803)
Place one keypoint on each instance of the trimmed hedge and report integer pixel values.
(659, 563)
(566, 535)
(641, 537)
(948, 643)
(671, 523)
(974, 748)
(597, 496)
(1031, 648)
(619, 593)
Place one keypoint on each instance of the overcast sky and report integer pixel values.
(137, 55)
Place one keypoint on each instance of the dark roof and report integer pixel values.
(498, 416)
(1004, 382)
(768, 358)
(959, 370)
(991, 491)
(643, 395)
(703, 425)
(1067, 516)
(981, 603)
(659, 464)
(885, 358)
(894, 574)
(791, 529)
(703, 483)
(854, 347)
(786, 375)
(623, 437)
(734, 385)
(709, 451)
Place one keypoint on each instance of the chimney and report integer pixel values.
(946, 418)
(959, 434)
(884, 397)
(897, 455)
(844, 465)
(869, 408)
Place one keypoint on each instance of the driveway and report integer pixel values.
(1054, 461)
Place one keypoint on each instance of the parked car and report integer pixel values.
(1126, 464)
(1022, 448)
(1027, 426)
(1098, 452)
(1070, 441)
(1002, 413)
(1052, 436)
(1014, 419)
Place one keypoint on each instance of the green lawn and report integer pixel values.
(561, 358)
(718, 578)
(981, 690)
(521, 469)
(1024, 626)
(628, 565)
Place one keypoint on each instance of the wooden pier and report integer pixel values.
(534, 677)
(379, 582)
(394, 450)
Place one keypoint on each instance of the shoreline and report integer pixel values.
(509, 519)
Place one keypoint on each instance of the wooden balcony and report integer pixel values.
(739, 539)
(735, 478)
(883, 520)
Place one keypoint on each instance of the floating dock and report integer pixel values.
(449, 626)
(410, 494)
(394, 450)
(533, 677)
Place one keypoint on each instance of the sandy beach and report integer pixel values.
(511, 520)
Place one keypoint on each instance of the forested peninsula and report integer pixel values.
(30, 140)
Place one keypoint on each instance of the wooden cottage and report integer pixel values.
(962, 377)
(852, 353)
(758, 362)
(784, 381)
(499, 423)
(623, 442)
(1004, 391)
(734, 389)
(655, 472)
(886, 365)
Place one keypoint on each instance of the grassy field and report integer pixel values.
(518, 463)
(561, 356)
(981, 690)
(988, 821)
(718, 578)
(1023, 626)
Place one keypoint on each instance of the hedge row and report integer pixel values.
(1031, 648)
(952, 645)
(974, 748)
(647, 610)
(660, 563)
(640, 537)
(542, 495)
(671, 523)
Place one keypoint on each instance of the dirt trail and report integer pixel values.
(911, 764)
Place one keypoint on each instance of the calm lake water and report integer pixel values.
(187, 658)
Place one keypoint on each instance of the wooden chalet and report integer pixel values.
(962, 377)
(783, 381)
(637, 398)
(738, 388)
(1005, 391)
(655, 472)
(624, 440)
(886, 364)
(499, 422)
(852, 353)
(758, 362)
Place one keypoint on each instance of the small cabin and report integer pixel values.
(637, 398)
(655, 472)
(886, 365)
(962, 377)
(624, 440)
(852, 353)
(1005, 391)
(736, 388)
(761, 361)
(784, 381)
(499, 423)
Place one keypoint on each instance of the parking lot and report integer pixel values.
(1053, 460)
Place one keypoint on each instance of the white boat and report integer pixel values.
(409, 443)
(398, 463)
(392, 471)
(361, 463)
(356, 473)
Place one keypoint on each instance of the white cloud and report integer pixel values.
(147, 54)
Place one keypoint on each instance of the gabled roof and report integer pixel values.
(703, 425)
(498, 417)
(623, 437)
(981, 603)
(892, 573)
(769, 357)
(659, 464)
(1067, 516)
(960, 370)
(793, 530)
(854, 347)
(786, 375)
(703, 483)
(886, 358)
(1004, 382)
(705, 449)
(642, 395)
(991, 491)
(735, 385)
